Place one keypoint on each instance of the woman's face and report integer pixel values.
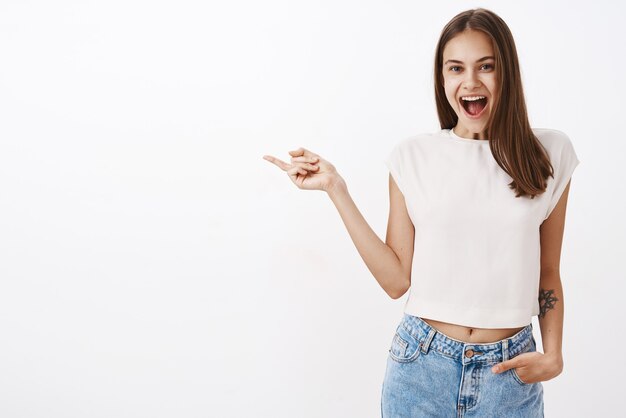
(468, 73)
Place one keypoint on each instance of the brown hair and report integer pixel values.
(512, 142)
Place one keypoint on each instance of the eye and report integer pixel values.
(453, 67)
(487, 65)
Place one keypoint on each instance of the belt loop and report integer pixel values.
(429, 338)
(505, 350)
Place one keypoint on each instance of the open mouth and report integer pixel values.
(474, 105)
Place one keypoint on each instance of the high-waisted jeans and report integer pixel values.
(432, 375)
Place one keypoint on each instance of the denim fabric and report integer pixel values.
(429, 374)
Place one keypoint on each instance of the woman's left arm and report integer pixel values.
(536, 367)
(551, 301)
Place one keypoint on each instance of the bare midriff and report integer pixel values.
(472, 335)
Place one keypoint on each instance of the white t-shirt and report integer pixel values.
(476, 258)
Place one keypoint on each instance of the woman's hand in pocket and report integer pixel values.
(532, 367)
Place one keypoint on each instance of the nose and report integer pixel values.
(471, 80)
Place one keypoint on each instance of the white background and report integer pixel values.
(152, 264)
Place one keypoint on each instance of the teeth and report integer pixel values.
(472, 98)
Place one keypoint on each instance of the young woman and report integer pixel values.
(477, 213)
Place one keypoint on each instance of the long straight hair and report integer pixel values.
(512, 142)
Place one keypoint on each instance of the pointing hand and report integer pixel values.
(308, 170)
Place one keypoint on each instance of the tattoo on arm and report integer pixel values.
(546, 301)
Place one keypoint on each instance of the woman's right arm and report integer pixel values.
(390, 261)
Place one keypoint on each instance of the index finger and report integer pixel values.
(278, 162)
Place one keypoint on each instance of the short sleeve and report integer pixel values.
(566, 162)
(393, 161)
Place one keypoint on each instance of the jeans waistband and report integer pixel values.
(431, 338)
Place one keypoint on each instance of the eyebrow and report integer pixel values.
(461, 62)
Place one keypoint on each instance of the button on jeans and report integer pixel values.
(429, 374)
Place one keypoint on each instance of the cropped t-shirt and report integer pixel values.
(476, 259)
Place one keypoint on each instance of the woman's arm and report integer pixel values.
(389, 263)
(534, 367)
(551, 301)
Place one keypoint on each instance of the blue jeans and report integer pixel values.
(432, 375)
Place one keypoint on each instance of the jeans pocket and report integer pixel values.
(405, 348)
(530, 347)
(517, 378)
